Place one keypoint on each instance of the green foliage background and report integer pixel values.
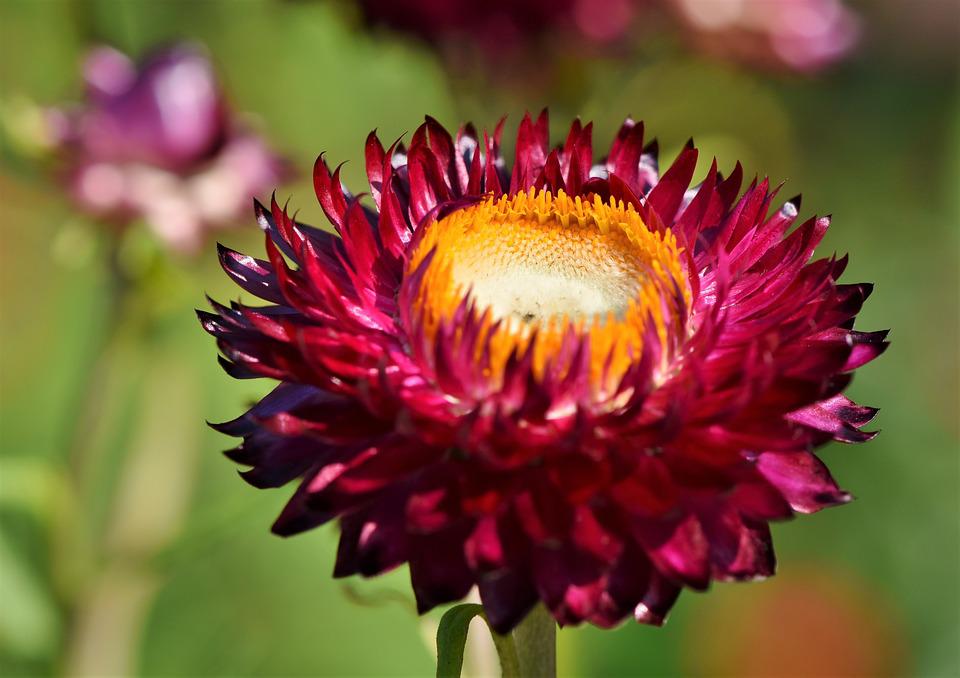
(160, 524)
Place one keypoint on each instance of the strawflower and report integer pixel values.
(575, 381)
(159, 142)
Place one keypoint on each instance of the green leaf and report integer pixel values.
(29, 625)
(452, 637)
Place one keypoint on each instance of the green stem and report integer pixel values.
(535, 639)
(530, 651)
(86, 401)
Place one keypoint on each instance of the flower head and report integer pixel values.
(575, 381)
(159, 142)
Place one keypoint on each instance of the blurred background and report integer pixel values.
(129, 546)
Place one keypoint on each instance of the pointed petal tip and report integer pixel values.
(423, 606)
(218, 426)
(290, 525)
(829, 499)
(283, 530)
(645, 615)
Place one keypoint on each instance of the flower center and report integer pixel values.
(541, 263)
(535, 272)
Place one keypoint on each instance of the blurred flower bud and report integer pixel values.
(159, 142)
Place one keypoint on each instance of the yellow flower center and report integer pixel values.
(538, 264)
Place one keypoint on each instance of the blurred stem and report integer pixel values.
(147, 507)
(83, 13)
(86, 401)
(129, 449)
(535, 639)
(78, 540)
(106, 631)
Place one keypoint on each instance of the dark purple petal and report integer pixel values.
(802, 479)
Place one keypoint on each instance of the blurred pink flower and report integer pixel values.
(797, 35)
(501, 27)
(158, 142)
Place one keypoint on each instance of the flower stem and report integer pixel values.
(536, 641)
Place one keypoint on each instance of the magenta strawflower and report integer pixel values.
(574, 381)
(157, 141)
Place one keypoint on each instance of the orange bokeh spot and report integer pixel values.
(813, 623)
